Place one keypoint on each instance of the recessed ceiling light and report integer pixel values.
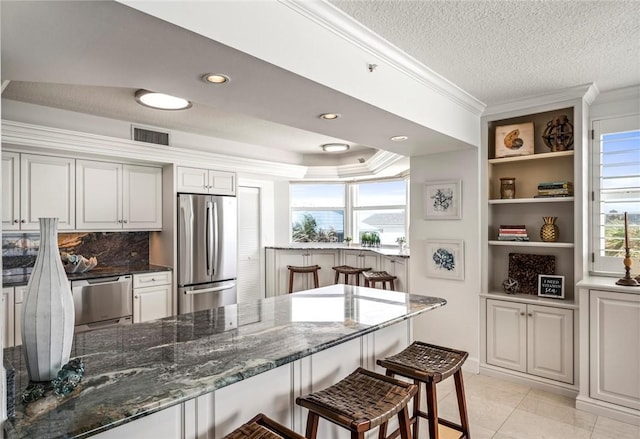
(161, 101)
(329, 116)
(399, 138)
(216, 78)
(334, 147)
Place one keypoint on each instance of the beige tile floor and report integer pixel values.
(501, 409)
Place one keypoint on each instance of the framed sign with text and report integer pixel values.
(550, 285)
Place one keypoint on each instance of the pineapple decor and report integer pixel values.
(549, 231)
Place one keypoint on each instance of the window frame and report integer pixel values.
(599, 264)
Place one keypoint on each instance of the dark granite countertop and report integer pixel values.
(17, 280)
(136, 370)
(384, 251)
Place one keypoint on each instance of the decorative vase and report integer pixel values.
(48, 315)
(549, 231)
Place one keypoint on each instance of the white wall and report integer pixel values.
(282, 230)
(455, 325)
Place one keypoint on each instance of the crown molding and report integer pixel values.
(338, 22)
(66, 141)
(627, 93)
(586, 92)
(95, 145)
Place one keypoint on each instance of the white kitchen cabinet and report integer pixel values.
(35, 186)
(152, 296)
(278, 274)
(614, 348)
(398, 267)
(116, 196)
(18, 296)
(206, 181)
(360, 259)
(533, 339)
(8, 307)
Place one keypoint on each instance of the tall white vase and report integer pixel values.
(48, 315)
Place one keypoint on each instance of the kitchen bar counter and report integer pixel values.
(136, 370)
(384, 251)
(16, 280)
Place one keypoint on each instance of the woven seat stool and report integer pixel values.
(371, 277)
(263, 427)
(430, 364)
(360, 402)
(348, 270)
(293, 269)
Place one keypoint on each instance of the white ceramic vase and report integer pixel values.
(47, 315)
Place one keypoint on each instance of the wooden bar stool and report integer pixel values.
(303, 269)
(371, 277)
(349, 270)
(430, 364)
(262, 427)
(360, 402)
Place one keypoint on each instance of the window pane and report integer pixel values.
(389, 223)
(317, 195)
(317, 226)
(384, 193)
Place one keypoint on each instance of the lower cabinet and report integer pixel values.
(278, 274)
(152, 296)
(398, 267)
(614, 348)
(8, 314)
(533, 339)
(18, 295)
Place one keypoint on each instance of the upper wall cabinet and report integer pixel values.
(116, 196)
(35, 186)
(206, 181)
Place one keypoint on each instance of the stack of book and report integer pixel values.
(555, 189)
(512, 233)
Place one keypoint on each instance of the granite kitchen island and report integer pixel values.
(201, 375)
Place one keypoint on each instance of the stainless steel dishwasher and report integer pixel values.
(102, 302)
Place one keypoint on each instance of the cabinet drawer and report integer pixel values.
(151, 279)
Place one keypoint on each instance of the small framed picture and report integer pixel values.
(514, 140)
(550, 285)
(445, 258)
(442, 200)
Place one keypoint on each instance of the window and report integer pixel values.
(328, 212)
(616, 190)
(317, 212)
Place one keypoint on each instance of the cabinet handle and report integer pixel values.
(522, 313)
(136, 297)
(23, 221)
(125, 221)
(15, 221)
(530, 315)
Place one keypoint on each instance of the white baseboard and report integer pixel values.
(613, 411)
(557, 387)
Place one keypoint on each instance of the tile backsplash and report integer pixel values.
(112, 249)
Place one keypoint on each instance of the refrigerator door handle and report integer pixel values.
(216, 238)
(209, 238)
(210, 290)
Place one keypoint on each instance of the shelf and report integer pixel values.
(532, 299)
(533, 200)
(532, 244)
(541, 156)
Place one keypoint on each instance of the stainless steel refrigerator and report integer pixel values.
(207, 251)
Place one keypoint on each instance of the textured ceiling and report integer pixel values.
(499, 51)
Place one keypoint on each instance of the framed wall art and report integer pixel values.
(514, 140)
(442, 200)
(445, 258)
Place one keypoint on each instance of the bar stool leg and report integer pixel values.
(416, 411)
(432, 407)
(336, 278)
(312, 425)
(316, 284)
(403, 422)
(393, 287)
(462, 403)
(290, 282)
(357, 279)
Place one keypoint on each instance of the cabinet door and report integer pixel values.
(507, 334)
(99, 195)
(8, 313)
(193, 180)
(47, 189)
(326, 260)
(398, 268)
(222, 183)
(151, 303)
(550, 342)
(10, 191)
(141, 197)
(614, 351)
(300, 281)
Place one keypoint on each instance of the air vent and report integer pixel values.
(140, 134)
